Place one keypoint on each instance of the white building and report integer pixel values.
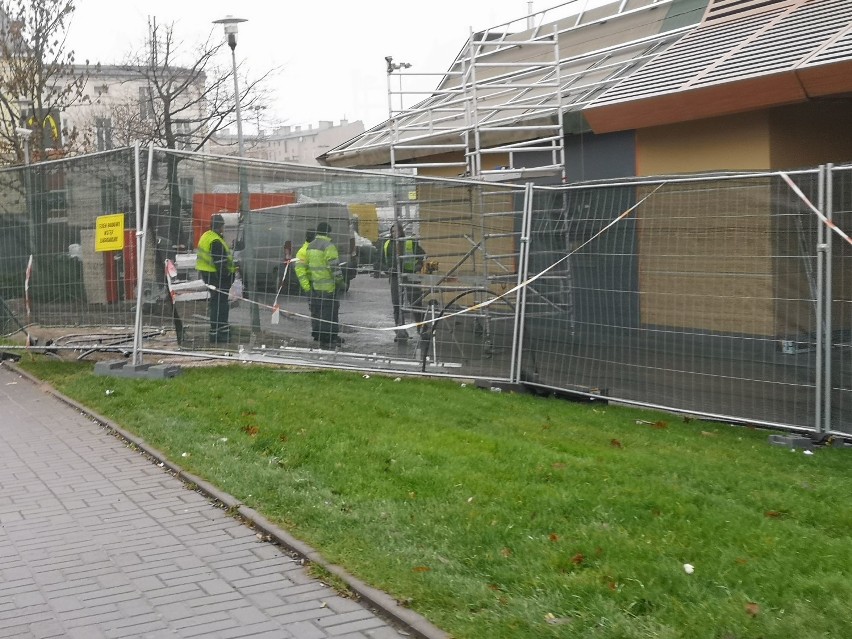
(118, 108)
(294, 144)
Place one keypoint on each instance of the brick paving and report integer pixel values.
(96, 541)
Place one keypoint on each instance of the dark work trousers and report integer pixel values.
(217, 309)
(313, 309)
(325, 309)
(402, 295)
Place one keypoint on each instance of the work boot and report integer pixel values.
(401, 335)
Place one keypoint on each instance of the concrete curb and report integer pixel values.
(383, 603)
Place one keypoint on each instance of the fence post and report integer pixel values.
(822, 417)
(820, 303)
(141, 236)
(828, 294)
(521, 298)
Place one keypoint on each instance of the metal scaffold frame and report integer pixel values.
(480, 96)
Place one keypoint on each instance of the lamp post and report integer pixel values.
(230, 23)
(231, 26)
(26, 133)
(391, 67)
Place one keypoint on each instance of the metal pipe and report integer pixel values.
(520, 299)
(819, 324)
(828, 208)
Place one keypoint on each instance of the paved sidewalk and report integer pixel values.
(98, 541)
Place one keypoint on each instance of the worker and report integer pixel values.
(323, 280)
(304, 281)
(215, 263)
(402, 257)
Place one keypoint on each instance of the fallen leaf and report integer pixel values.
(553, 620)
(506, 552)
(554, 537)
(773, 514)
(612, 586)
(251, 430)
(577, 559)
(615, 443)
(421, 569)
(741, 561)
(660, 425)
(752, 609)
(558, 465)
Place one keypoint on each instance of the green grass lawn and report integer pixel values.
(512, 516)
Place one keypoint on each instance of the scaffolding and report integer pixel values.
(486, 104)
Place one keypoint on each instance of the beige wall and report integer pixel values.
(759, 293)
(733, 143)
(489, 161)
(807, 135)
(707, 267)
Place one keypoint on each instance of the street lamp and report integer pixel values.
(231, 26)
(24, 106)
(230, 23)
(25, 137)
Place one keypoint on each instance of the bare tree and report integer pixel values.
(38, 75)
(190, 97)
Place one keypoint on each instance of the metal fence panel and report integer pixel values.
(839, 396)
(702, 294)
(467, 231)
(696, 295)
(49, 211)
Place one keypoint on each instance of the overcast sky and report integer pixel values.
(331, 52)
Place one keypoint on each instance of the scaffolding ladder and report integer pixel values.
(481, 98)
(520, 100)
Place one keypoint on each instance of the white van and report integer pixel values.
(274, 235)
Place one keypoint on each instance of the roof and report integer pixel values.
(765, 54)
(626, 65)
(511, 68)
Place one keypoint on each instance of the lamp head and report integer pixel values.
(230, 23)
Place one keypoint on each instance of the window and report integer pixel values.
(183, 136)
(109, 195)
(186, 187)
(146, 103)
(103, 128)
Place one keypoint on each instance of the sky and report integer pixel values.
(330, 53)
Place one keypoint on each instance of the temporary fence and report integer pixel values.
(721, 295)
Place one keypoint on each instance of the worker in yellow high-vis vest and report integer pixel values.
(215, 264)
(403, 256)
(304, 280)
(323, 279)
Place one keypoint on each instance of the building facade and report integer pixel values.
(295, 144)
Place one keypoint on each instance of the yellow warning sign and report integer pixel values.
(109, 232)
